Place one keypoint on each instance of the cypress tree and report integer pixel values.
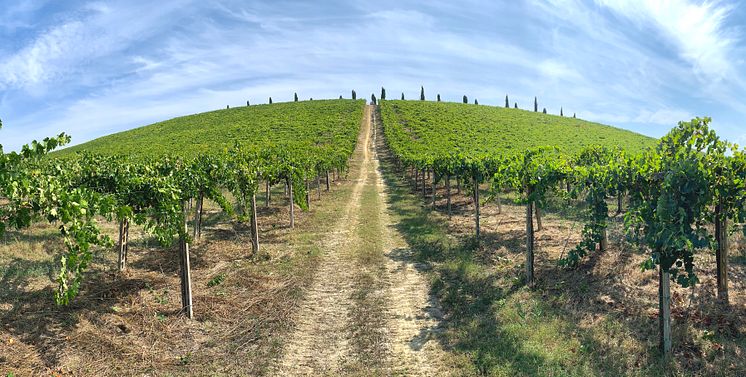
(515, 105)
(270, 100)
(340, 96)
(402, 96)
(422, 93)
(545, 110)
(466, 100)
(536, 105)
(247, 103)
(438, 97)
(476, 102)
(573, 115)
(373, 98)
(227, 107)
(507, 103)
(383, 93)
(295, 97)
(311, 99)
(354, 95)
(561, 112)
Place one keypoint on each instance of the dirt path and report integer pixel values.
(368, 308)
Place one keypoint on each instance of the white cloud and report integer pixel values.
(696, 28)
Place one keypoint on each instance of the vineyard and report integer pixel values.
(675, 198)
(538, 235)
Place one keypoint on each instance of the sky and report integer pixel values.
(91, 68)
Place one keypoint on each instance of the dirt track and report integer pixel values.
(366, 268)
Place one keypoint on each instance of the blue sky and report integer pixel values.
(91, 68)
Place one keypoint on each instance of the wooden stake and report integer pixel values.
(254, 226)
(267, 195)
(289, 184)
(318, 186)
(327, 181)
(721, 254)
(197, 231)
(529, 244)
(664, 310)
(448, 194)
(539, 227)
(476, 206)
(434, 188)
(185, 270)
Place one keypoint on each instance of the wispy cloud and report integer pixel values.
(107, 66)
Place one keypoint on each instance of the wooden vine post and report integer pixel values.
(529, 241)
(124, 226)
(318, 186)
(197, 231)
(448, 194)
(267, 194)
(434, 188)
(289, 184)
(254, 226)
(327, 180)
(423, 183)
(539, 227)
(476, 204)
(721, 253)
(664, 310)
(185, 269)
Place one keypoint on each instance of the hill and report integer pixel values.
(441, 127)
(312, 122)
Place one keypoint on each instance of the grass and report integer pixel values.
(598, 320)
(445, 127)
(317, 122)
(126, 324)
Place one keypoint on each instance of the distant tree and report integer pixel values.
(466, 100)
(476, 102)
(340, 97)
(515, 105)
(383, 93)
(354, 95)
(573, 115)
(373, 98)
(247, 103)
(507, 103)
(402, 96)
(422, 93)
(311, 99)
(227, 107)
(561, 112)
(270, 100)
(545, 110)
(295, 97)
(536, 105)
(438, 97)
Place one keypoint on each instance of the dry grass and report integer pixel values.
(599, 319)
(130, 324)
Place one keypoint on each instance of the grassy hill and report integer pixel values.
(436, 127)
(313, 122)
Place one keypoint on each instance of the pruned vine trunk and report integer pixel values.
(539, 227)
(185, 271)
(619, 204)
(254, 226)
(327, 181)
(318, 186)
(448, 194)
(423, 184)
(476, 205)
(603, 243)
(289, 184)
(664, 310)
(308, 195)
(721, 254)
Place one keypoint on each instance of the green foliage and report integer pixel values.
(671, 196)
